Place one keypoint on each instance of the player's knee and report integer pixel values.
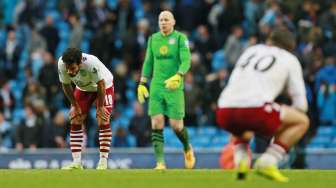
(157, 122)
(101, 121)
(305, 123)
(177, 127)
(77, 120)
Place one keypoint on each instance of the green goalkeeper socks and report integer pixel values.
(158, 141)
(184, 138)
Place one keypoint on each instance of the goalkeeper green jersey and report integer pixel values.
(166, 56)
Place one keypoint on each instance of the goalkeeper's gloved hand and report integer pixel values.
(142, 91)
(174, 82)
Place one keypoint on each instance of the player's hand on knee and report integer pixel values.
(142, 93)
(173, 82)
(75, 113)
(103, 114)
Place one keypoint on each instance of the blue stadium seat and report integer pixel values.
(325, 131)
(131, 84)
(218, 60)
(3, 36)
(191, 132)
(315, 146)
(130, 94)
(168, 132)
(85, 46)
(202, 142)
(323, 140)
(128, 112)
(54, 14)
(223, 132)
(131, 140)
(18, 115)
(23, 58)
(220, 140)
(112, 3)
(207, 130)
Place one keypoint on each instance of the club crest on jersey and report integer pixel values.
(171, 41)
(163, 50)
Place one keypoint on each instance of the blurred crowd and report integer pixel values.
(34, 33)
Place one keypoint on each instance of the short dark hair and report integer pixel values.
(71, 56)
(283, 38)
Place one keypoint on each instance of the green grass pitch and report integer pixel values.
(159, 179)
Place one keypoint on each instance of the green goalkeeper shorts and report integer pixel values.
(169, 103)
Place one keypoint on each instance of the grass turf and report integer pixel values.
(159, 179)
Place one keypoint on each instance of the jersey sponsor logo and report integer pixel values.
(161, 57)
(172, 41)
(163, 50)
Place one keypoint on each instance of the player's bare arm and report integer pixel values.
(75, 110)
(102, 113)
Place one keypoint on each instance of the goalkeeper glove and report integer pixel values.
(174, 82)
(142, 91)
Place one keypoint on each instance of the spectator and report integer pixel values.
(36, 44)
(120, 138)
(77, 31)
(59, 128)
(326, 92)
(140, 126)
(5, 131)
(47, 76)
(102, 44)
(7, 100)
(50, 33)
(234, 46)
(27, 133)
(192, 102)
(215, 84)
(32, 92)
(10, 55)
(53, 134)
(205, 44)
(120, 75)
(136, 44)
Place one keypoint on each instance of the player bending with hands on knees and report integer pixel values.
(167, 60)
(94, 83)
(247, 103)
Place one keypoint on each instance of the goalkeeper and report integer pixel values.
(167, 60)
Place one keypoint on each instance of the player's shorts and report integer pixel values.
(85, 99)
(264, 120)
(169, 103)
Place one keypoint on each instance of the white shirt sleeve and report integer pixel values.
(62, 75)
(296, 86)
(96, 71)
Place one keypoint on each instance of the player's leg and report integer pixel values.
(182, 134)
(105, 132)
(230, 120)
(241, 157)
(176, 111)
(76, 142)
(84, 100)
(156, 108)
(293, 126)
(158, 140)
